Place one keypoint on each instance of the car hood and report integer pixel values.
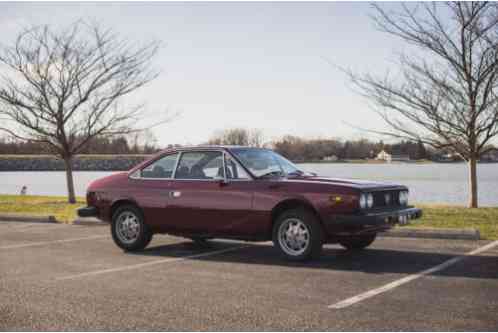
(351, 183)
(114, 179)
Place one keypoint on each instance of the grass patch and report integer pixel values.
(485, 219)
(435, 216)
(35, 205)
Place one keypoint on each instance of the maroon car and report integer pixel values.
(243, 193)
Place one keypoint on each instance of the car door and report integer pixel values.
(152, 188)
(204, 201)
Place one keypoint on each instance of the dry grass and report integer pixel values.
(34, 205)
(485, 219)
(435, 216)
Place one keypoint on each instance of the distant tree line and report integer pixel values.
(293, 147)
(118, 145)
(238, 137)
(302, 149)
(298, 149)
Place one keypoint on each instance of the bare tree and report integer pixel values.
(62, 87)
(446, 96)
(256, 137)
(238, 137)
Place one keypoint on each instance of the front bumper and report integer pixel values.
(372, 221)
(386, 217)
(89, 211)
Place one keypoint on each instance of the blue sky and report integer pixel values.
(253, 65)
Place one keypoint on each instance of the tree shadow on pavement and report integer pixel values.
(371, 260)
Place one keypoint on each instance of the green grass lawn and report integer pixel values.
(34, 205)
(435, 216)
(484, 219)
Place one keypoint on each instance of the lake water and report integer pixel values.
(428, 183)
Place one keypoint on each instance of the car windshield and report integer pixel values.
(266, 163)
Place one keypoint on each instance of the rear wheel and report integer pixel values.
(298, 235)
(357, 242)
(129, 230)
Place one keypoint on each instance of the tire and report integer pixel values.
(298, 222)
(357, 242)
(133, 238)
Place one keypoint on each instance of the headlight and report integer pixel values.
(403, 198)
(370, 200)
(366, 201)
(363, 201)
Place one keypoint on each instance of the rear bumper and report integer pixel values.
(89, 211)
(379, 220)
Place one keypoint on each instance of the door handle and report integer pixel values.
(175, 194)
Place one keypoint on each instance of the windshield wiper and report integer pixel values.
(272, 173)
(296, 173)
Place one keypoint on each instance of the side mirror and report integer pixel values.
(221, 181)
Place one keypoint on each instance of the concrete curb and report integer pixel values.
(27, 218)
(441, 233)
(48, 219)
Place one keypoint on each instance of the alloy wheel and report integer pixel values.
(127, 227)
(293, 236)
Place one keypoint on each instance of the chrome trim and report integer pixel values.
(138, 171)
(224, 167)
(195, 151)
(251, 176)
(176, 164)
(151, 162)
(180, 152)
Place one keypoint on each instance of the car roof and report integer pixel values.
(207, 147)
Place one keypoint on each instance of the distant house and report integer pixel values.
(490, 156)
(449, 157)
(330, 158)
(385, 156)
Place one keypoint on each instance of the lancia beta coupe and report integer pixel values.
(243, 193)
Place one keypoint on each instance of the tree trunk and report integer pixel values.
(473, 182)
(69, 180)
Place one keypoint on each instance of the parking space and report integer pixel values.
(62, 277)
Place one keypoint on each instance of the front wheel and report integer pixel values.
(129, 230)
(357, 242)
(297, 234)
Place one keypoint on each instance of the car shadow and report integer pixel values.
(371, 260)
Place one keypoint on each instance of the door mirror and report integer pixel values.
(221, 181)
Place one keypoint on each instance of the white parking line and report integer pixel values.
(150, 263)
(358, 298)
(17, 246)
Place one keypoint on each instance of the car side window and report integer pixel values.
(162, 168)
(234, 170)
(200, 165)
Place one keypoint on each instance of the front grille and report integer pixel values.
(380, 199)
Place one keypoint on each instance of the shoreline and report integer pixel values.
(106, 162)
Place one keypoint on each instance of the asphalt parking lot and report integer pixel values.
(62, 277)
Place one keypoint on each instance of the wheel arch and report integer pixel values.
(291, 203)
(121, 202)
